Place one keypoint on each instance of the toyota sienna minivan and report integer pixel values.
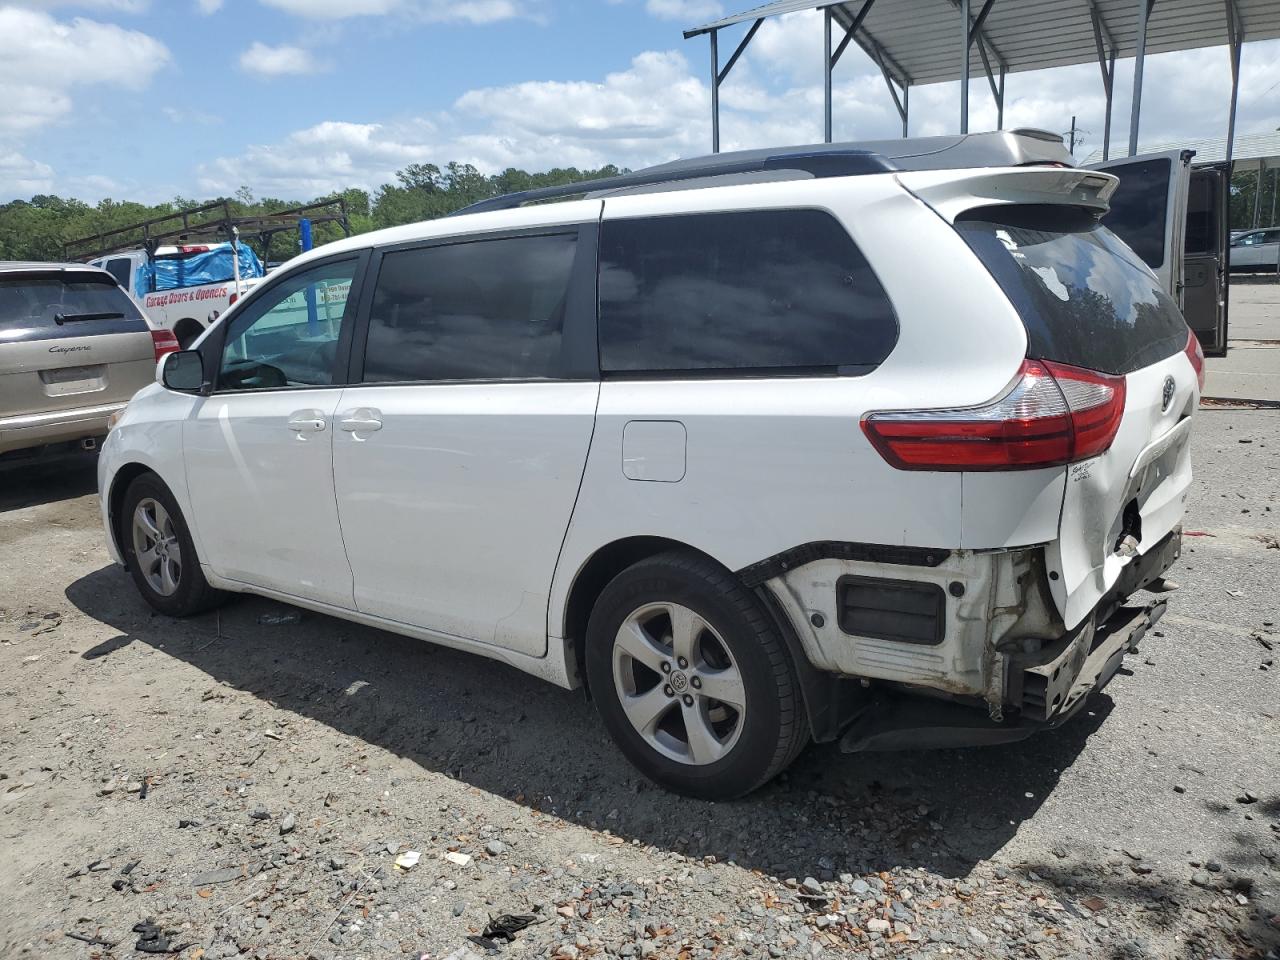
(874, 444)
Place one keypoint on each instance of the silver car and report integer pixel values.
(73, 349)
(1256, 250)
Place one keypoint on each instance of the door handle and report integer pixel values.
(308, 421)
(363, 420)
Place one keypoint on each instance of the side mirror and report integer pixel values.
(184, 372)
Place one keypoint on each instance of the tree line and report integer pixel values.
(36, 229)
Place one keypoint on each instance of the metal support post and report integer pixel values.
(1257, 190)
(964, 66)
(1235, 35)
(906, 108)
(1000, 102)
(1275, 188)
(1106, 47)
(715, 92)
(826, 74)
(1140, 54)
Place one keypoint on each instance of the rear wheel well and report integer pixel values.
(186, 330)
(605, 564)
(115, 499)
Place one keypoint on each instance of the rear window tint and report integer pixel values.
(1202, 215)
(1139, 207)
(1083, 295)
(770, 291)
(44, 306)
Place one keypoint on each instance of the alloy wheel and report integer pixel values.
(678, 683)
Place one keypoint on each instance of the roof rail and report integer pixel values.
(827, 163)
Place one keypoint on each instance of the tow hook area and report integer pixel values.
(1051, 693)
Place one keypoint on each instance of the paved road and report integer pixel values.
(1251, 368)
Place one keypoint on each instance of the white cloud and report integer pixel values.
(658, 108)
(43, 59)
(319, 160)
(190, 115)
(208, 6)
(22, 177)
(120, 6)
(438, 11)
(279, 61)
(687, 11)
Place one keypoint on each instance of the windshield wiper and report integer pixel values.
(61, 318)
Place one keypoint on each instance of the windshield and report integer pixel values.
(1085, 297)
(53, 305)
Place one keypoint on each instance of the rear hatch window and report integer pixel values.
(1085, 297)
(49, 306)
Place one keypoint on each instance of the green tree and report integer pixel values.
(36, 229)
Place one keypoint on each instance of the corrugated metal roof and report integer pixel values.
(922, 37)
(1248, 150)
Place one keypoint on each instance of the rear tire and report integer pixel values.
(667, 639)
(158, 549)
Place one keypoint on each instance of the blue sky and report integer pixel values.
(149, 99)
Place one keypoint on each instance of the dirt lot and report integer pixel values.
(248, 778)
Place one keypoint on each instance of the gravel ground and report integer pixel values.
(250, 779)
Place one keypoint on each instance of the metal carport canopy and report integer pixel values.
(920, 35)
(923, 41)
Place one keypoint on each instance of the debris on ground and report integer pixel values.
(503, 929)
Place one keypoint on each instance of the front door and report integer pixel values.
(259, 450)
(457, 459)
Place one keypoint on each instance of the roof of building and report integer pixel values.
(919, 40)
(1249, 151)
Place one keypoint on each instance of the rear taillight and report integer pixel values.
(1052, 415)
(1195, 353)
(164, 342)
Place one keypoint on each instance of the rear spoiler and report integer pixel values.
(952, 192)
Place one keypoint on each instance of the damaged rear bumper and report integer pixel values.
(901, 721)
(955, 649)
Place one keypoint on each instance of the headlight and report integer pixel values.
(114, 419)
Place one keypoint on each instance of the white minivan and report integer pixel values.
(874, 445)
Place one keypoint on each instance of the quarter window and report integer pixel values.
(756, 291)
(288, 336)
(482, 310)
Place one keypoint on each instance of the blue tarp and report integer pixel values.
(215, 266)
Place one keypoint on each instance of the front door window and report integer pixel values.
(288, 336)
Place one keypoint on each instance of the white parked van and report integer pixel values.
(823, 443)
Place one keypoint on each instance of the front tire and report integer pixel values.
(691, 679)
(159, 551)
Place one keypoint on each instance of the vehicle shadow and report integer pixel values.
(507, 733)
(40, 483)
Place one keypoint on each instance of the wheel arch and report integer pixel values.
(830, 702)
(594, 575)
(187, 329)
(120, 484)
